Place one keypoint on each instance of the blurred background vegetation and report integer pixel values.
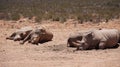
(60, 10)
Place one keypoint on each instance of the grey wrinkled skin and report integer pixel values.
(105, 38)
(38, 36)
(20, 34)
(75, 38)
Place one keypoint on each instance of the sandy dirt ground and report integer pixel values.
(54, 53)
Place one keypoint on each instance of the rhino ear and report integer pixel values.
(90, 34)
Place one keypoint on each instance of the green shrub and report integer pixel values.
(60, 10)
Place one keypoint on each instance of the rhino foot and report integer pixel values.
(21, 42)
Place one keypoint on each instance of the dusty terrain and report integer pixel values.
(55, 53)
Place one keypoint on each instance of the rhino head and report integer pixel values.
(86, 40)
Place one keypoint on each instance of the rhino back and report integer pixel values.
(110, 36)
(47, 36)
(25, 29)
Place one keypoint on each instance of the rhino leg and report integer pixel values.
(80, 48)
(102, 45)
(117, 45)
(27, 38)
(11, 37)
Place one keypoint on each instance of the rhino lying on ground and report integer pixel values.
(38, 36)
(74, 39)
(104, 38)
(20, 34)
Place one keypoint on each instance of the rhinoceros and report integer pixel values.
(20, 34)
(104, 38)
(38, 35)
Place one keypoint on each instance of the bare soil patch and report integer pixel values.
(55, 53)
